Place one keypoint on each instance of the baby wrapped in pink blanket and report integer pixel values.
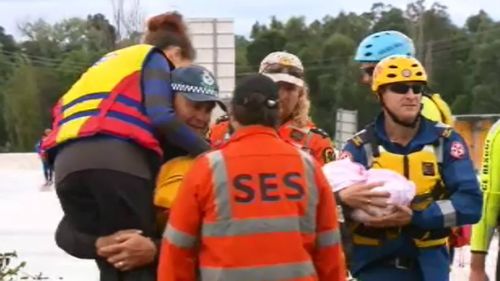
(343, 173)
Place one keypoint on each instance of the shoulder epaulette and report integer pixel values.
(359, 138)
(446, 130)
(221, 119)
(320, 132)
(367, 135)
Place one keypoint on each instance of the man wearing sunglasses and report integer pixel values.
(287, 71)
(380, 45)
(411, 243)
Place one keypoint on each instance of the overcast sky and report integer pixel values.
(243, 12)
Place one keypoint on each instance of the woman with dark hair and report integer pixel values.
(256, 192)
(111, 131)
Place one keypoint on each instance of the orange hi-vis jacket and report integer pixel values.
(257, 209)
(219, 134)
(310, 138)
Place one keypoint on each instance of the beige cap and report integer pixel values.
(283, 59)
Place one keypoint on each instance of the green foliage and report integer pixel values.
(34, 73)
(10, 271)
(463, 62)
(21, 93)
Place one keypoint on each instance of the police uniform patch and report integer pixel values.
(297, 135)
(207, 78)
(428, 169)
(328, 154)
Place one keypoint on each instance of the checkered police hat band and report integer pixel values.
(194, 89)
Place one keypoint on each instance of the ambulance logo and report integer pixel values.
(457, 150)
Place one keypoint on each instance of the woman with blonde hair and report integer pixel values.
(296, 126)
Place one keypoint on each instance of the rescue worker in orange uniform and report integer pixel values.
(295, 123)
(256, 209)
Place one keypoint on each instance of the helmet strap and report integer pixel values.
(412, 124)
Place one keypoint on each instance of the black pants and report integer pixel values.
(101, 202)
(48, 173)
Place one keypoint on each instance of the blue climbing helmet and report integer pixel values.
(380, 45)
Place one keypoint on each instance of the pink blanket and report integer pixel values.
(343, 173)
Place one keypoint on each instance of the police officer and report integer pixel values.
(482, 232)
(256, 209)
(410, 244)
(296, 126)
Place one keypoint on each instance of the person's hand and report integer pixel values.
(132, 251)
(477, 267)
(478, 275)
(113, 238)
(400, 217)
(361, 196)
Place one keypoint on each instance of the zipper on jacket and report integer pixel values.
(406, 167)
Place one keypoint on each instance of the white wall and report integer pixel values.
(213, 39)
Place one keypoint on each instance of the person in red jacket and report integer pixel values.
(296, 126)
(256, 209)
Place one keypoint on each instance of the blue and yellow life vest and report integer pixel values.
(106, 100)
(436, 109)
(424, 169)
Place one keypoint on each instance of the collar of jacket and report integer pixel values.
(253, 130)
(291, 123)
(427, 133)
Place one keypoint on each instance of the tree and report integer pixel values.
(462, 62)
(265, 43)
(101, 32)
(21, 93)
(485, 62)
(78, 44)
(392, 19)
(7, 42)
(452, 55)
(8, 48)
(477, 22)
(128, 19)
(241, 44)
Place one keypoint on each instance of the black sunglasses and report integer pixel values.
(278, 68)
(368, 70)
(399, 88)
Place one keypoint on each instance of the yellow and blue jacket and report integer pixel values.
(448, 195)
